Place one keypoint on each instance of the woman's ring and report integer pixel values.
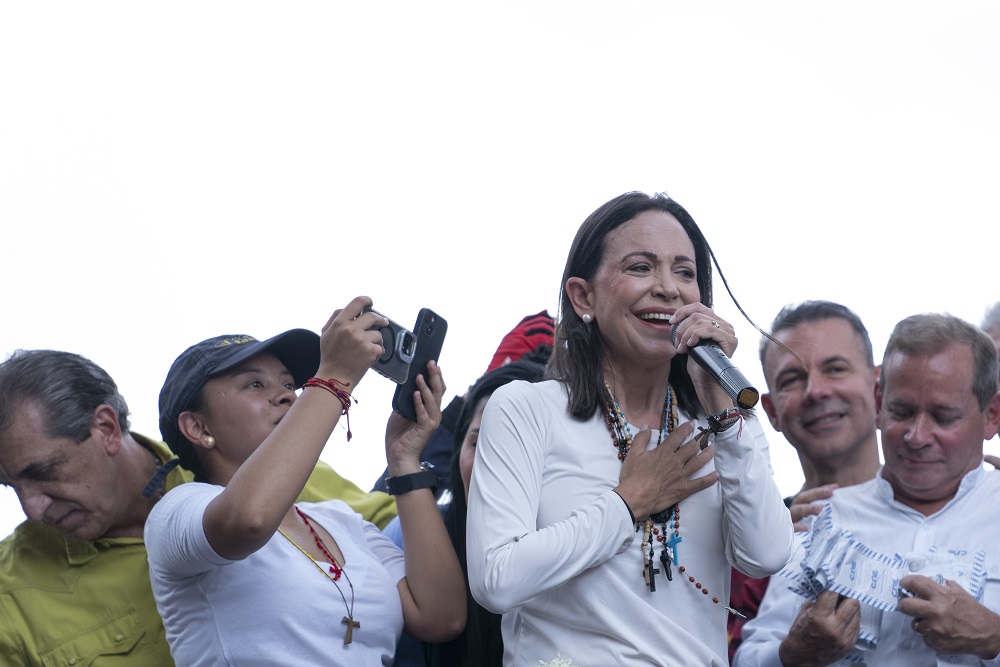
(715, 323)
(914, 625)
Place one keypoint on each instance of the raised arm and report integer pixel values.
(433, 591)
(757, 526)
(241, 519)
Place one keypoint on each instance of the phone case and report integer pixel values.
(429, 330)
(399, 344)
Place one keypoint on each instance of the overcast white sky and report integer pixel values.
(174, 171)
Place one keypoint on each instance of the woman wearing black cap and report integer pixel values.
(242, 575)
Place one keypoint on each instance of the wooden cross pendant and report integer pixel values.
(351, 624)
(651, 573)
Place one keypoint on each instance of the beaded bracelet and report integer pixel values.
(722, 421)
(717, 423)
(342, 395)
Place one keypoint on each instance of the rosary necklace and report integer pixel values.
(669, 520)
(335, 571)
(621, 439)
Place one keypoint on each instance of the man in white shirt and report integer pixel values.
(821, 395)
(930, 506)
(821, 376)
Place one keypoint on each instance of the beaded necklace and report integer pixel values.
(335, 572)
(621, 439)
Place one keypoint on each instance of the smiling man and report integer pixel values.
(821, 392)
(821, 375)
(74, 579)
(923, 523)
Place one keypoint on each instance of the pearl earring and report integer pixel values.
(587, 318)
(209, 441)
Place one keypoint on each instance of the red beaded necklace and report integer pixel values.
(621, 439)
(335, 568)
(335, 572)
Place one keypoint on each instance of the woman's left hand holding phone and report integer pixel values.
(405, 440)
(433, 591)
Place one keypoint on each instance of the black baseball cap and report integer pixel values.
(297, 349)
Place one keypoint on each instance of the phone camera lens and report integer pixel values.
(407, 344)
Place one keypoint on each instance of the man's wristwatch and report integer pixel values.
(424, 479)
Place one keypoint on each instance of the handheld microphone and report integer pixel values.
(711, 357)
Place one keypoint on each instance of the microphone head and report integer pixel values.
(747, 397)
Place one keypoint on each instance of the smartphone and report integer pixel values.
(429, 330)
(399, 345)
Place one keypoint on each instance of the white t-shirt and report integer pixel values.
(274, 607)
(553, 548)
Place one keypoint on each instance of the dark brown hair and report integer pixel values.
(578, 354)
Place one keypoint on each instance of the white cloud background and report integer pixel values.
(174, 171)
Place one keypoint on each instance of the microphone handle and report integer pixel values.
(711, 357)
(738, 388)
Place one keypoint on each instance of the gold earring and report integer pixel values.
(209, 441)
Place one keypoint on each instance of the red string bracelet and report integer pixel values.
(721, 421)
(342, 395)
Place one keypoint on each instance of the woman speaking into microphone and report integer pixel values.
(608, 502)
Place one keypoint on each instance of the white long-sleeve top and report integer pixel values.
(553, 547)
(876, 519)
